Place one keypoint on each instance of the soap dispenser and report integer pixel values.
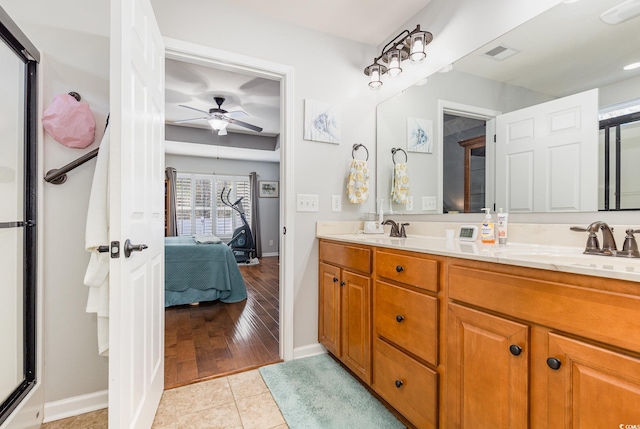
(488, 231)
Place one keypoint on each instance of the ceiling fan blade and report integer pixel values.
(244, 124)
(237, 114)
(193, 108)
(190, 120)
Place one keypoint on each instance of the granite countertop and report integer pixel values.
(556, 258)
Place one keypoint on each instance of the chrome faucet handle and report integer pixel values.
(593, 246)
(630, 246)
(403, 233)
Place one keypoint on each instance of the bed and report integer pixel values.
(200, 272)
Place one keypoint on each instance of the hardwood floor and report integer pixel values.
(213, 339)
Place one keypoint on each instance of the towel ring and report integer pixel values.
(393, 154)
(358, 146)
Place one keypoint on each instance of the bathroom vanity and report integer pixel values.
(454, 334)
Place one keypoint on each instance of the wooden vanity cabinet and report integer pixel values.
(540, 349)
(405, 345)
(344, 313)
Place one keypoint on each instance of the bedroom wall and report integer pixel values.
(269, 207)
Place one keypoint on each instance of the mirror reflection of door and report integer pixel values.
(464, 165)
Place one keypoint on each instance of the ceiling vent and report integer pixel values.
(623, 12)
(500, 52)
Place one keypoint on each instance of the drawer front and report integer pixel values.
(408, 319)
(410, 387)
(410, 270)
(356, 258)
(611, 318)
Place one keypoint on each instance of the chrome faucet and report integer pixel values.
(396, 230)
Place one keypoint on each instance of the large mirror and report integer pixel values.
(443, 127)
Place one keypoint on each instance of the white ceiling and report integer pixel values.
(195, 85)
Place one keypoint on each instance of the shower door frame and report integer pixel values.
(17, 41)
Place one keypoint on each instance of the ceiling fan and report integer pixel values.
(218, 118)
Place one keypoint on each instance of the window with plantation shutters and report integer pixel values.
(199, 209)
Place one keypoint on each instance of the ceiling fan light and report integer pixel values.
(218, 123)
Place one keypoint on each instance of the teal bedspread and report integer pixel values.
(200, 272)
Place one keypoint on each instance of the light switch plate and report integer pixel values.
(409, 206)
(336, 203)
(307, 202)
(429, 204)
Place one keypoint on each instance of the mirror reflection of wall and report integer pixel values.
(547, 58)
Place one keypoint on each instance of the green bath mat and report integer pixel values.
(316, 392)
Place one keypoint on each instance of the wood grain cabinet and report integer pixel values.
(344, 314)
(541, 350)
(405, 347)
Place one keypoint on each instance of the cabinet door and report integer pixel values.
(329, 308)
(593, 387)
(487, 367)
(356, 324)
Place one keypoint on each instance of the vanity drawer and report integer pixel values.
(410, 270)
(408, 319)
(410, 387)
(348, 256)
(612, 318)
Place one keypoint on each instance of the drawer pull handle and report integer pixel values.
(399, 318)
(335, 280)
(554, 363)
(399, 383)
(342, 283)
(515, 350)
(399, 268)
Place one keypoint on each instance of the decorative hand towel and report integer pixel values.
(358, 182)
(97, 233)
(400, 184)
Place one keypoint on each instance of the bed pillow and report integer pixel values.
(207, 239)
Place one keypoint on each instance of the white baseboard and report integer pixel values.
(307, 351)
(270, 254)
(75, 406)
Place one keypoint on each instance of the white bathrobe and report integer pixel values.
(97, 234)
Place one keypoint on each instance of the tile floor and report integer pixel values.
(239, 401)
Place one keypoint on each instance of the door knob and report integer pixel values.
(128, 248)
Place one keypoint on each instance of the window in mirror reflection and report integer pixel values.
(464, 164)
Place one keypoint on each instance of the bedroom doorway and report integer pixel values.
(213, 339)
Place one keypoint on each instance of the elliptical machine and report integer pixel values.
(241, 244)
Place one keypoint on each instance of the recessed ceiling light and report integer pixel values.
(631, 66)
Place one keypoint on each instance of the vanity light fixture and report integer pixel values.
(411, 45)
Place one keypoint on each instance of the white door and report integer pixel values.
(136, 325)
(547, 156)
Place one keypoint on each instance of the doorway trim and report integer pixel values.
(469, 111)
(234, 62)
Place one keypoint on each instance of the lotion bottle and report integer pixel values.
(488, 231)
(502, 227)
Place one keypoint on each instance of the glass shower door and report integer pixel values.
(12, 211)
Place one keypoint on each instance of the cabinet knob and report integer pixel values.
(399, 318)
(554, 363)
(399, 383)
(342, 283)
(399, 268)
(515, 349)
(335, 280)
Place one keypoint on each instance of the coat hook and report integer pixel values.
(75, 95)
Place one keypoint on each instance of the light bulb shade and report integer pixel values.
(218, 123)
(393, 58)
(417, 43)
(375, 72)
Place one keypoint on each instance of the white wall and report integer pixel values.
(269, 207)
